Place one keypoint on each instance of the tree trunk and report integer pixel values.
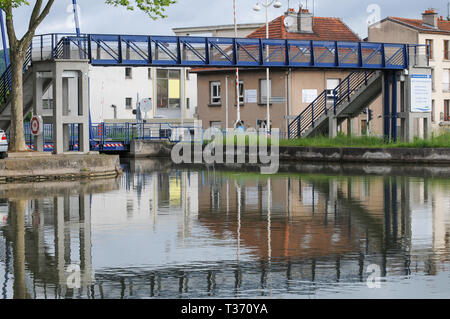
(17, 137)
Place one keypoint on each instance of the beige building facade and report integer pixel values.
(292, 90)
(433, 31)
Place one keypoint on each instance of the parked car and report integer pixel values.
(3, 145)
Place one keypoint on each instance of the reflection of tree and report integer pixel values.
(17, 212)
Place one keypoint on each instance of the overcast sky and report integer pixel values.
(97, 17)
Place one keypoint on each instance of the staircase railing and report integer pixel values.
(58, 52)
(6, 77)
(326, 103)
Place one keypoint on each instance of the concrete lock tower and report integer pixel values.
(67, 82)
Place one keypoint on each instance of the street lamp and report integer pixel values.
(257, 8)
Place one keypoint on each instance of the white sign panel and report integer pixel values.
(251, 96)
(421, 89)
(37, 125)
(309, 96)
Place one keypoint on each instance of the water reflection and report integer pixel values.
(164, 232)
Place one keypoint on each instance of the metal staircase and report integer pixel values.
(349, 99)
(5, 90)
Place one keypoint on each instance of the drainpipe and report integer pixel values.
(288, 97)
(226, 102)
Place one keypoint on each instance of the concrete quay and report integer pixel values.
(37, 167)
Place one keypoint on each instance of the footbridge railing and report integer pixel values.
(153, 50)
(116, 136)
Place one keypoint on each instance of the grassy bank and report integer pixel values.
(442, 141)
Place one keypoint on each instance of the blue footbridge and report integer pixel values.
(368, 62)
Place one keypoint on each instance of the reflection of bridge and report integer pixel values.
(43, 244)
(348, 233)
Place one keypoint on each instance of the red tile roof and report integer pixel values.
(324, 29)
(443, 25)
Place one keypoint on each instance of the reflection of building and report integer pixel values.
(324, 217)
(178, 233)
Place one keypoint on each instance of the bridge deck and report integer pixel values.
(175, 51)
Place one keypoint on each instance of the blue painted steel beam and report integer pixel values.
(386, 107)
(394, 112)
(4, 39)
(242, 52)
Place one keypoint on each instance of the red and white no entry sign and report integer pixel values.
(36, 125)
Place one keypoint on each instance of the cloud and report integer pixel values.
(97, 17)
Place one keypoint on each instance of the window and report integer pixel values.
(188, 103)
(446, 50)
(447, 110)
(216, 124)
(128, 103)
(47, 104)
(445, 80)
(215, 93)
(433, 110)
(150, 71)
(429, 43)
(364, 127)
(332, 84)
(128, 73)
(263, 90)
(168, 89)
(433, 84)
(241, 92)
(188, 75)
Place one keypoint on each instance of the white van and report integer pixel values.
(3, 145)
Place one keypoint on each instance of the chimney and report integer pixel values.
(304, 21)
(430, 18)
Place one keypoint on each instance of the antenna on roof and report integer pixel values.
(448, 11)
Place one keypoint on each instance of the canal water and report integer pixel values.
(164, 232)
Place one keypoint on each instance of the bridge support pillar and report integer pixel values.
(71, 106)
(349, 127)
(332, 126)
(386, 107)
(394, 108)
(416, 119)
(38, 109)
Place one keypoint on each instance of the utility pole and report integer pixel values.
(238, 104)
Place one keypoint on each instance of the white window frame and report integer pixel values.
(129, 107)
(129, 77)
(263, 87)
(215, 99)
(241, 96)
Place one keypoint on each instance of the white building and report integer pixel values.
(114, 92)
